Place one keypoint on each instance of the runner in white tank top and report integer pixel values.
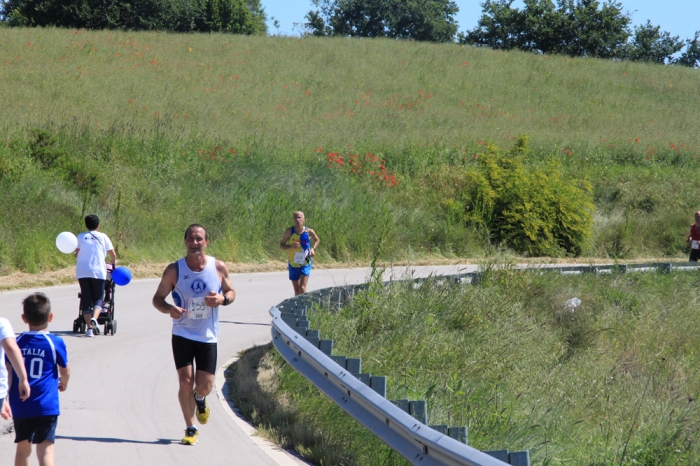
(199, 285)
(200, 322)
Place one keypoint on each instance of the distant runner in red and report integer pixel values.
(694, 239)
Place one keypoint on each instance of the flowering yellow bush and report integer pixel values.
(537, 211)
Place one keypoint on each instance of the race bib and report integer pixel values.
(300, 257)
(198, 309)
(695, 244)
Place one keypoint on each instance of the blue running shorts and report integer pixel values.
(295, 273)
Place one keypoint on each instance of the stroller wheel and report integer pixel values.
(76, 326)
(114, 327)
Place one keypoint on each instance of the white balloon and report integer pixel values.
(66, 242)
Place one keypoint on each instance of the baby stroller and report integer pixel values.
(106, 317)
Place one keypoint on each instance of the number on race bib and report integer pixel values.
(299, 257)
(198, 309)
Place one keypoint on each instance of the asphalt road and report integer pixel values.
(121, 405)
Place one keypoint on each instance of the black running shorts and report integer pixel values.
(185, 351)
(694, 255)
(36, 430)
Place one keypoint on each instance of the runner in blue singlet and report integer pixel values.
(297, 242)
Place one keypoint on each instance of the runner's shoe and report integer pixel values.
(191, 435)
(202, 409)
(95, 326)
(88, 333)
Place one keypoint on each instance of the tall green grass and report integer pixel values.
(613, 382)
(313, 92)
(235, 132)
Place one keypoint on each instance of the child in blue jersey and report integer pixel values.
(46, 363)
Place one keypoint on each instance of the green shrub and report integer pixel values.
(538, 211)
(43, 149)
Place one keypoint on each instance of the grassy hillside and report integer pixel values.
(613, 382)
(302, 94)
(160, 130)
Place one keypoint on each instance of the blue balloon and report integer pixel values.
(121, 276)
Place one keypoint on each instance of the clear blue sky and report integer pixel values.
(679, 17)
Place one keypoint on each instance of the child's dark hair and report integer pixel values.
(37, 308)
(92, 221)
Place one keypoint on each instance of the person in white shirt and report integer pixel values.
(91, 271)
(8, 345)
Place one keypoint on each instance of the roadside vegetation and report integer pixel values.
(612, 382)
(154, 131)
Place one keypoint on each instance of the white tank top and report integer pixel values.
(200, 322)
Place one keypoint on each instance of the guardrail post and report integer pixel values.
(442, 428)
(458, 433)
(402, 404)
(354, 365)
(326, 346)
(499, 455)
(419, 410)
(378, 384)
(289, 319)
(519, 458)
(666, 268)
(339, 360)
(365, 378)
(313, 340)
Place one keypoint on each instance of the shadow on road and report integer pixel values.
(63, 332)
(244, 323)
(160, 441)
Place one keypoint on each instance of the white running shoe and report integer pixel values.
(95, 326)
(88, 333)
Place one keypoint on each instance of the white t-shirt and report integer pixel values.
(93, 247)
(5, 332)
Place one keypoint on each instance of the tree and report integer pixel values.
(595, 32)
(424, 20)
(579, 28)
(234, 16)
(691, 56)
(572, 27)
(651, 45)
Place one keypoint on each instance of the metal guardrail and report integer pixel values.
(412, 439)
